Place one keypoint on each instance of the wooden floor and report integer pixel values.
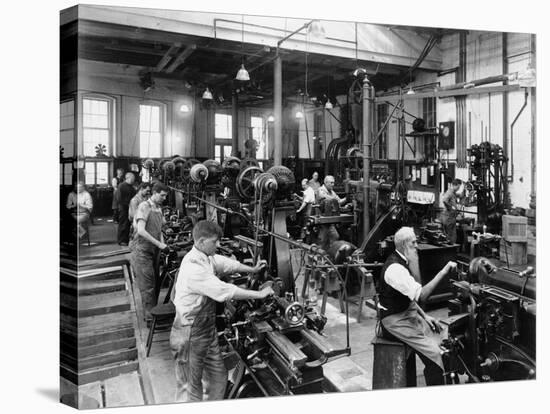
(153, 380)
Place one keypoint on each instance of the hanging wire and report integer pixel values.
(356, 47)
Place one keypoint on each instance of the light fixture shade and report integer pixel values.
(242, 74)
(316, 29)
(185, 108)
(328, 105)
(207, 94)
(528, 79)
(299, 114)
(410, 91)
(270, 118)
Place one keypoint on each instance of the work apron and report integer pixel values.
(409, 327)
(197, 356)
(145, 261)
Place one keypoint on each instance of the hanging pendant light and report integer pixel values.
(411, 91)
(207, 94)
(270, 118)
(185, 108)
(329, 105)
(242, 74)
(299, 114)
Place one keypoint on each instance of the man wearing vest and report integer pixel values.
(399, 294)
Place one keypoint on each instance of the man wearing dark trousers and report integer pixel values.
(401, 316)
(126, 192)
(146, 244)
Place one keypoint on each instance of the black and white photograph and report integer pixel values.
(260, 203)
(257, 206)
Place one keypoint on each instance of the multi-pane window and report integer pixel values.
(66, 173)
(382, 144)
(96, 124)
(259, 134)
(96, 173)
(429, 111)
(221, 149)
(429, 115)
(223, 133)
(223, 128)
(66, 128)
(150, 131)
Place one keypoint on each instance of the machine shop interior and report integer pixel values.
(426, 128)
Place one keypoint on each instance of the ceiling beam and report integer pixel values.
(167, 56)
(181, 58)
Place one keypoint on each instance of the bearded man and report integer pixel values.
(400, 293)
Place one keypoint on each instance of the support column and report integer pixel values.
(234, 124)
(366, 137)
(278, 110)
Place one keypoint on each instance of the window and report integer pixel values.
(150, 131)
(223, 133)
(221, 149)
(96, 173)
(429, 111)
(259, 134)
(223, 128)
(429, 115)
(382, 144)
(66, 173)
(66, 128)
(96, 125)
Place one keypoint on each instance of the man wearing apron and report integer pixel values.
(146, 244)
(401, 316)
(193, 339)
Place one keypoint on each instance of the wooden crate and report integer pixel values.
(516, 252)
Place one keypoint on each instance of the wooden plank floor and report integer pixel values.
(98, 339)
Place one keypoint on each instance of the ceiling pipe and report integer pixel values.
(478, 82)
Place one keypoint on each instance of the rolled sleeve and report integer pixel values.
(399, 278)
(224, 265)
(142, 212)
(215, 289)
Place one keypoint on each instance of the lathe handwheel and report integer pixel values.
(245, 182)
(294, 313)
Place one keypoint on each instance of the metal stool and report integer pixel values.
(166, 311)
(394, 364)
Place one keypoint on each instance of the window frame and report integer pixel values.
(223, 142)
(111, 104)
(74, 126)
(162, 126)
(96, 161)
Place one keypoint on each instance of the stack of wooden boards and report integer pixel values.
(98, 339)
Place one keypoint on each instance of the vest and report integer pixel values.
(393, 300)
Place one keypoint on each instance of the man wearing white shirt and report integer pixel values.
(401, 316)
(80, 205)
(193, 339)
(308, 199)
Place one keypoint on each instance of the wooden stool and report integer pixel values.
(366, 278)
(166, 311)
(394, 364)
